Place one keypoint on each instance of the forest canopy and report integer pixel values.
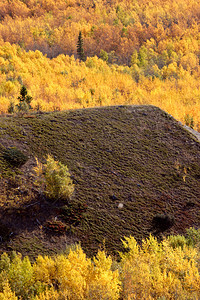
(137, 52)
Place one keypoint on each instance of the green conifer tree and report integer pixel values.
(24, 100)
(80, 50)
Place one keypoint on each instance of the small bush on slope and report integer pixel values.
(55, 178)
(15, 156)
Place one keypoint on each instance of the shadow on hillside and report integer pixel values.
(36, 214)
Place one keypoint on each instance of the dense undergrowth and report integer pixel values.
(153, 270)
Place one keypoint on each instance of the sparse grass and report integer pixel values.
(127, 151)
(30, 245)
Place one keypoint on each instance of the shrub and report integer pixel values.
(104, 55)
(193, 236)
(104, 282)
(73, 213)
(56, 227)
(155, 270)
(20, 276)
(162, 222)
(15, 156)
(189, 121)
(11, 107)
(55, 178)
(48, 295)
(7, 294)
(176, 241)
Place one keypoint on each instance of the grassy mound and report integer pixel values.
(131, 165)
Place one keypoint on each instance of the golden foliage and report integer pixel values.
(77, 277)
(54, 178)
(64, 83)
(155, 44)
(157, 270)
(154, 270)
(7, 294)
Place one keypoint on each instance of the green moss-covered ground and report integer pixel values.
(135, 156)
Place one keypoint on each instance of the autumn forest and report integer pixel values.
(60, 55)
(137, 52)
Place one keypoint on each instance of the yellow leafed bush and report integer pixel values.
(157, 270)
(77, 277)
(154, 270)
(72, 273)
(55, 178)
(104, 283)
(7, 294)
(50, 294)
(44, 270)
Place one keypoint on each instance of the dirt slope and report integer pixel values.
(136, 171)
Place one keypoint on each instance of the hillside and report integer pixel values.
(136, 156)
